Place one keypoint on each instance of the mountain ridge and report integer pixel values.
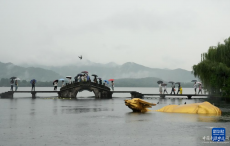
(105, 71)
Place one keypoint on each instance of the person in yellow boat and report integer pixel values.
(181, 90)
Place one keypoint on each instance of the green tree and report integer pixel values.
(214, 69)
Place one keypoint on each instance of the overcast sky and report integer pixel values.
(155, 33)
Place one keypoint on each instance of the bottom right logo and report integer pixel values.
(218, 134)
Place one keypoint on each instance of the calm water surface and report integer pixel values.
(86, 121)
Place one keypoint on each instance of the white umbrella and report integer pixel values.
(198, 83)
(17, 79)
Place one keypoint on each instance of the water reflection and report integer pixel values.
(82, 110)
(208, 118)
(173, 101)
(138, 117)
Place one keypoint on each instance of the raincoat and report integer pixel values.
(180, 90)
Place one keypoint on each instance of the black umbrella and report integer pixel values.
(13, 78)
(194, 81)
(69, 77)
(171, 82)
(78, 76)
(94, 75)
(159, 82)
(177, 83)
(163, 84)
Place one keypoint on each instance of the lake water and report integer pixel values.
(88, 122)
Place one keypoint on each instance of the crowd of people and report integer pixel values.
(172, 91)
(179, 90)
(86, 78)
(79, 78)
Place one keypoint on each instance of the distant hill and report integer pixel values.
(105, 71)
(127, 70)
(8, 70)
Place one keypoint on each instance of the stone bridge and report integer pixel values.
(71, 90)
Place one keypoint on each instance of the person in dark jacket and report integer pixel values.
(33, 85)
(95, 80)
(100, 81)
(178, 89)
(173, 89)
(12, 85)
(16, 85)
(76, 79)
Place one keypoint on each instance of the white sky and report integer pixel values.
(160, 34)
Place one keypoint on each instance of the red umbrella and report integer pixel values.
(84, 72)
(111, 80)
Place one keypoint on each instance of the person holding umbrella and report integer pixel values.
(12, 84)
(160, 88)
(33, 82)
(16, 84)
(106, 83)
(88, 78)
(76, 79)
(178, 87)
(100, 81)
(173, 88)
(195, 87)
(200, 89)
(112, 83)
(95, 78)
(63, 83)
(83, 78)
(55, 83)
(181, 90)
(69, 77)
(79, 77)
(165, 88)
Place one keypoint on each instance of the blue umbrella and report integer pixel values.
(106, 81)
(32, 81)
(61, 79)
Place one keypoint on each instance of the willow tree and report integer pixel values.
(214, 68)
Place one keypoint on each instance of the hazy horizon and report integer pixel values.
(79, 63)
(157, 34)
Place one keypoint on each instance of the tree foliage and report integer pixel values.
(214, 69)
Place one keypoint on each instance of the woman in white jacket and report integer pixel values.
(55, 86)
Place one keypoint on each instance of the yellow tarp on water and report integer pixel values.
(194, 108)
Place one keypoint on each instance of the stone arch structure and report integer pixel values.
(71, 90)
